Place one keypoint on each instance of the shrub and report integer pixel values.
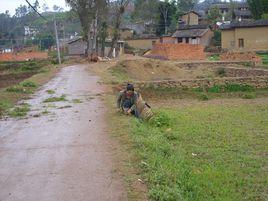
(215, 89)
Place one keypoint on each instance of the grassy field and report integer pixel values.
(209, 152)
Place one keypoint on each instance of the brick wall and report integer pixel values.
(181, 51)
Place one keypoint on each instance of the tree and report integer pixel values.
(21, 11)
(85, 11)
(258, 8)
(146, 11)
(118, 9)
(186, 5)
(168, 13)
(214, 15)
(45, 7)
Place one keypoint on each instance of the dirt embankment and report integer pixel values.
(152, 70)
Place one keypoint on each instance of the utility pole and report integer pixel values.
(57, 40)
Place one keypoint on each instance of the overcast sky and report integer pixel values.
(11, 5)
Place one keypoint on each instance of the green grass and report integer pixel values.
(76, 101)
(55, 99)
(204, 153)
(19, 111)
(214, 58)
(26, 87)
(264, 57)
(4, 105)
(50, 91)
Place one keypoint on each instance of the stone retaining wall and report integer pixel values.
(244, 72)
(258, 82)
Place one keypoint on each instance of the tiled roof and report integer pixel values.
(242, 13)
(246, 23)
(184, 27)
(189, 33)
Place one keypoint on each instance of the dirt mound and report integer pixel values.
(23, 56)
(180, 51)
(237, 56)
(149, 69)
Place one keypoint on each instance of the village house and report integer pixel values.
(195, 34)
(245, 35)
(77, 47)
(241, 10)
(189, 18)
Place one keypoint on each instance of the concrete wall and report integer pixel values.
(144, 44)
(77, 48)
(193, 18)
(255, 38)
(205, 40)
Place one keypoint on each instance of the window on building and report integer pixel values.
(179, 40)
(240, 42)
(186, 40)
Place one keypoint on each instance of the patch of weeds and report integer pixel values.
(28, 84)
(55, 99)
(19, 111)
(215, 57)
(19, 89)
(77, 101)
(161, 120)
(230, 88)
(203, 97)
(215, 89)
(45, 112)
(50, 91)
(238, 87)
(249, 96)
(4, 105)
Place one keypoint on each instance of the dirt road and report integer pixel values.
(61, 151)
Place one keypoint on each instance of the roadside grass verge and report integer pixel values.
(204, 153)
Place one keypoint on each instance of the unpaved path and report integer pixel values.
(64, 155)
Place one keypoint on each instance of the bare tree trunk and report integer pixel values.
(119, 12)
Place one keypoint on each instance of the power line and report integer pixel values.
(36, 10)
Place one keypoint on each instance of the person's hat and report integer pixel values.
(130, 87)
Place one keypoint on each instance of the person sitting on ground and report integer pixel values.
(127, 100)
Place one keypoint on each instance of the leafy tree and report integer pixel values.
(214, 15)
(168, 13)
(186, 5)
(258, 8)
(146, 10)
